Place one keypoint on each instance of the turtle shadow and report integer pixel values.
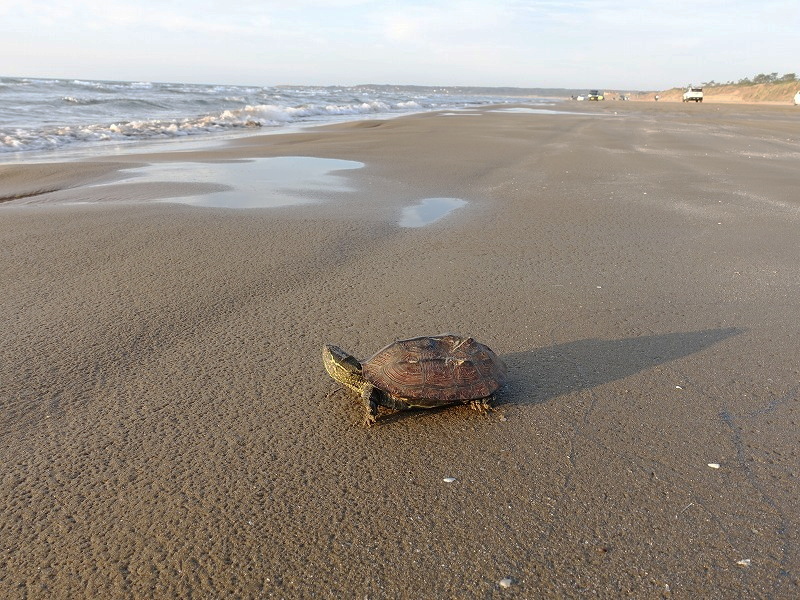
(542, 374)
(388, 417)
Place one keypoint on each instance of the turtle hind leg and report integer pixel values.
(482, 405)
(370, 400)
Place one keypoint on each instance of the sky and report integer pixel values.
(609, 44)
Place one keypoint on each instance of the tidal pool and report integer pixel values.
(252, 183)
(428, 211)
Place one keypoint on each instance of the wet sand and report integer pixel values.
(167, 428)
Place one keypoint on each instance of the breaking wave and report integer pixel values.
(42, 114)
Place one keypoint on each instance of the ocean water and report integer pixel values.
(52, 114)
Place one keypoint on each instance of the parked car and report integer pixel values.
(797, 98)
(693, 94)
(595, 95)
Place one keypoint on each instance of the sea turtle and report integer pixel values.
(420, 372)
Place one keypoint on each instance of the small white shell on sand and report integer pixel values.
(714, 465)
(745, 562)
(449, 479)
(506, 582)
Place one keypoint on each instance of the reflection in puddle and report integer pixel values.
(428, 211)
(540, 111)
(257, 183)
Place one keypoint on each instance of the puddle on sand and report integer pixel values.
(428, 211)
(540, 111)
(254, 183)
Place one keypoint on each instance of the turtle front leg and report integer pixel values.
(370, 405)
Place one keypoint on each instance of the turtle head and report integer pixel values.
(343, 367)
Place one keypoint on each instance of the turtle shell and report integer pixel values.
(436, 370)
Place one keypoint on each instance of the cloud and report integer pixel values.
(201, 16)
(497, 42)
(442, 21)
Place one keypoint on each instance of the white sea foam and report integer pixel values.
(43, 114)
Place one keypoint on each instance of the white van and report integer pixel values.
(797, 98)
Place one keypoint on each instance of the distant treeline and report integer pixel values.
(756, 79)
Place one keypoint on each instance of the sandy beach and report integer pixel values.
(167, 429)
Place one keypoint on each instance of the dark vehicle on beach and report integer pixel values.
(595, 95)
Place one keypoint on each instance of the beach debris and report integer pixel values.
(745, 562)
(449, 479)
(506, 582)
(420, 372)
(677, 387)
(714, 465)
